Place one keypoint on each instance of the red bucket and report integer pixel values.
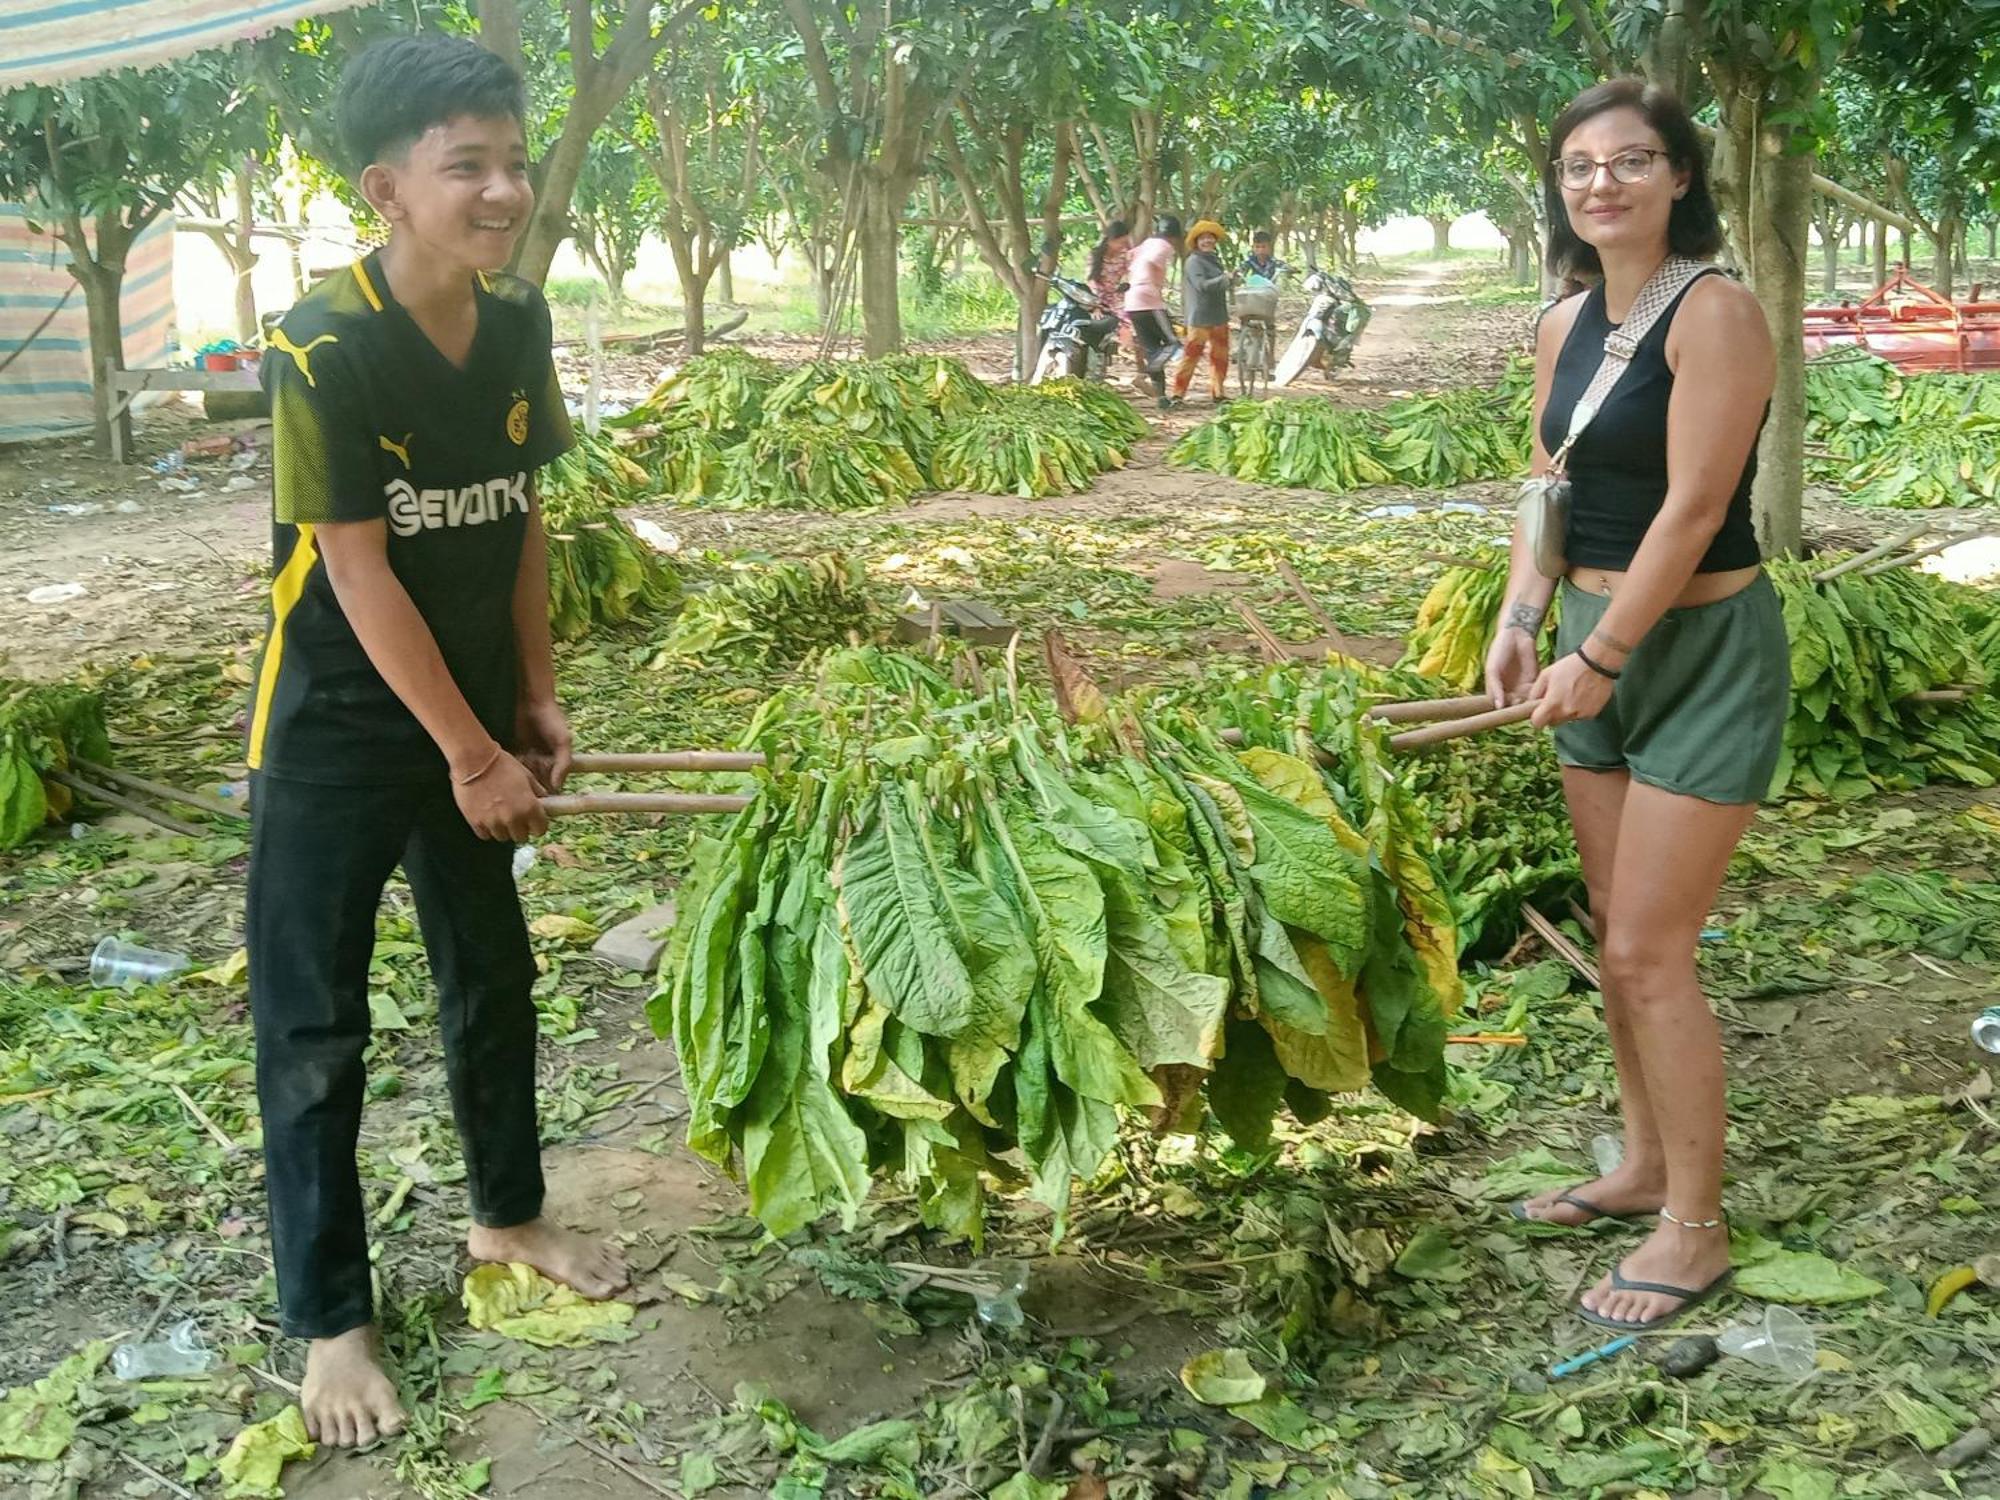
(219, 362)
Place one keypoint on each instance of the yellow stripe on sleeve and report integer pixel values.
(285, 591)
(367, 286)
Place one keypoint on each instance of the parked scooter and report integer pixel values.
(1328, 332)
(1077, 330)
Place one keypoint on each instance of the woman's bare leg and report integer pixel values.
(1596, 807)
(1672, 854)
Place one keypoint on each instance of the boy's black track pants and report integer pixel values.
(319, 859)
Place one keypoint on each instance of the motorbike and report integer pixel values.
(1077, 331)
(1328, 332)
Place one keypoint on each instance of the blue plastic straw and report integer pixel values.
(1591, 1356)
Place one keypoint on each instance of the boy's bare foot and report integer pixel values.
(594, 1267)
(348, 1399)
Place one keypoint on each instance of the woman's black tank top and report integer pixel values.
(1618, 468)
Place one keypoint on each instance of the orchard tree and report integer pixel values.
(99, 159)
(612, 207)
(601, 50)
(701, 136)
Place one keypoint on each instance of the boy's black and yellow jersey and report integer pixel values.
(371, 422)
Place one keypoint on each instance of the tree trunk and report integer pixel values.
(1440, 233)
(616, 269)
(103, 285)
(549, 225)
(1881, 252)
(881, 214)
(1905, 257)
(1993, 239)
(1778, 224)
(1830, 237)
(1944, 262)
(245, 257)
(725, 276)
(694, 315)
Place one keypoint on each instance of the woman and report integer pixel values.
(1205, 290)
(1671, 682)
(1109, 258)
(1146, 301)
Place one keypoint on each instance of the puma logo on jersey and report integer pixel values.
(401, 450)
(412, 510)
(301, 355)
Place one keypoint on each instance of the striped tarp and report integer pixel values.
(52, 41)
(46, 390)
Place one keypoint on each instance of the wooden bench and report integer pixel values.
(126, 385)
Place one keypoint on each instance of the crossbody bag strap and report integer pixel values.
(1622, 343)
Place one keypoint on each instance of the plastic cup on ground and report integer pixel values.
(1002, 1308)
(183, 1352)
(1608, 1152)
(1778, 1339)
(115, 962)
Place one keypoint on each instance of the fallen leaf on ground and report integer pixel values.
(521, 1302)
(255, 1460)
(1222, 1377)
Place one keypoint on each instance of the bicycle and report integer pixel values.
(1256, 335)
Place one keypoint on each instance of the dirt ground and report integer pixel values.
(174, 578)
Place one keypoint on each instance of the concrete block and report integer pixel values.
(637, 942)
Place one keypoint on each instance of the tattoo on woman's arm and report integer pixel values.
(1525, 616)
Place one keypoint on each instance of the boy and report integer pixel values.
(1262, 259)
(404, 710)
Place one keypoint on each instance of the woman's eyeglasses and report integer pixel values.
(1629, 167)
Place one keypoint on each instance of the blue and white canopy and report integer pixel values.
(53, 41)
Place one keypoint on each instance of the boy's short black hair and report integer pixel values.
(1263, 237)
(396, 90)
(1694, 228)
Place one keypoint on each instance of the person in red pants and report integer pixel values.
(1205, 287)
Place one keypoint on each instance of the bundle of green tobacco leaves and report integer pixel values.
(1286, 441)
(600, 573)
(1907, 440)
(720, 392)
(861, 398)
(1491, 805)
(44, 727)
(808, 465)
(766, 612)
(1453, 437)
(1032, 441)
(938, 381)
(954, 937)
(1457, 621)
(1863, 651)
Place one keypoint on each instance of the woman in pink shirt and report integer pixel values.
(1146, 301)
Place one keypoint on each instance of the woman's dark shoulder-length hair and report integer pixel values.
(1693, 228)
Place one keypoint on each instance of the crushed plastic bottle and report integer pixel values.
(181, 1353)
(1001, 1308)
(1780, 1340)
(1986, 1029)
(115, 962)
(524, 859)
(1608, 1152)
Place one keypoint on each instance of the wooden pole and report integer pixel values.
(671, 760)
(198, 800)
(1433, 734)
(1427, 709)
(129, 804)
(1862, 559)
(1917, 556)
(641, 802)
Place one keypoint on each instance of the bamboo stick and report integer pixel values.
(1424, 710)
(1451, 729)
(641, 802)
(1940, 695)
(1562, 946)
(1862, 559)
(1917, 556)
(1305, 596)
(671, 760)
(130, 804)
(1491, 1039)
(198, 800)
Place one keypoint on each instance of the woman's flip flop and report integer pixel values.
(1520, 1211)
(1689, 1297)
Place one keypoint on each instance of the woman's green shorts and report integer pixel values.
(1700, 708)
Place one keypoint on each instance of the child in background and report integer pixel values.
(1206, 285)
(1263, 257)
